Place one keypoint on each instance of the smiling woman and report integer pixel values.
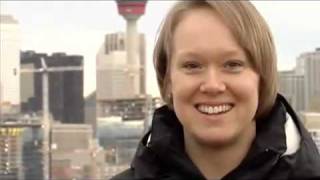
(216, 69)
(202, 86)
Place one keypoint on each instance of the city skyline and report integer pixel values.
(79, 28)
(101, 145)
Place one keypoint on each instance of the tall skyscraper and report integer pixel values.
(301, 85)
(66, 100)
(292, 87)
(11, 153)
(9, 65)
(33, 155)
(113, 75)
(308, 64)
(21, 153)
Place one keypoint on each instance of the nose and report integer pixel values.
(213, 83)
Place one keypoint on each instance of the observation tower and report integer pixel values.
(131, 10)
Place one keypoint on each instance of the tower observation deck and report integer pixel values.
(131, 9)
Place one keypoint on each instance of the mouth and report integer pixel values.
(214, 109)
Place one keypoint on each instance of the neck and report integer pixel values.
(216, 161)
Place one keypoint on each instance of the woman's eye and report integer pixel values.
(234, 66)
(191, 66)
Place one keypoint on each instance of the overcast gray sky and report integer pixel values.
(78, 27)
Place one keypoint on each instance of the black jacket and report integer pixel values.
(161, 154)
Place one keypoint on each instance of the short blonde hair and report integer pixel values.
(249, 29)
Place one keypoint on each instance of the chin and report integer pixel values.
(216, 140)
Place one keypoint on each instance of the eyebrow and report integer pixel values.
(219, 53)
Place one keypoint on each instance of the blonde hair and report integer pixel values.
(249, 29)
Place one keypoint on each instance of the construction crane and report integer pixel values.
(46, 124)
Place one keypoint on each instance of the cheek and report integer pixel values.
(175, 85)
(252, 94)
(247, 97)
(248, 89)
(183, 87)
(251, 82)
(179, 91)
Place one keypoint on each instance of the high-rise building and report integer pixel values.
(66, 102)
(21, 153)
(21, 148)
(292, 87)
(11, 153)
(311, 61)
(113, 75)
(113, 70)
(9, 65)
(33, 154)
(301, 85)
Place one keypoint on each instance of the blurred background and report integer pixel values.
(78, 88)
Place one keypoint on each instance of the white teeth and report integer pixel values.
(210, 109)
(223, 108)
(214, 109)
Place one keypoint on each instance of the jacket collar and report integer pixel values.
(281, 123)
(270, 127)
(162, 149)
(166, 144)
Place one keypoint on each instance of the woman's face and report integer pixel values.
(213, 85)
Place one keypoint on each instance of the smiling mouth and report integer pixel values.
(214, 110)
